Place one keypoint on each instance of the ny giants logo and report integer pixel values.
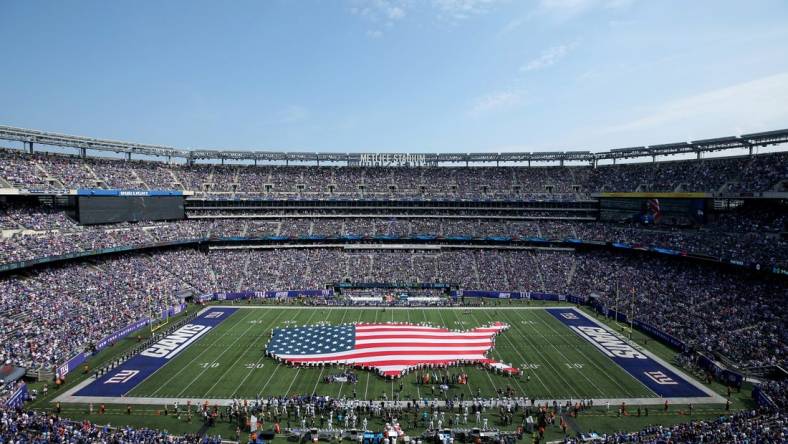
(661, 378)
(122, 377)
(608, 343)
(181, 338)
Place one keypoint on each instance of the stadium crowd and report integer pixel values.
(713, 311)
(48, 171)
(29, 426)
(40, 231)
(54, 313)
(748, 427)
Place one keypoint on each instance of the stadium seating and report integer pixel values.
(674, 297)
(40, 232)
(53, 171)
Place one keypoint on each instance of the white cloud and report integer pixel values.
(496, 101)
(511, 26)
(566, 9)
(462, 9)
(548, 57)
(380, 10)
(395, 12)
(748, 106)
(381, 14)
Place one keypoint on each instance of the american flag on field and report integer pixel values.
(390, 349)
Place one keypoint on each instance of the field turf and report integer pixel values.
(229, 361)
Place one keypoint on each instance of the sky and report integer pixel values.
(396, 75)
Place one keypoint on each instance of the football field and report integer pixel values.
(228, 361)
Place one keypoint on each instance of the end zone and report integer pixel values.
(126, 376)
(660, 377)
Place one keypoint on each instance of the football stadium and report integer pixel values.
(155, 291)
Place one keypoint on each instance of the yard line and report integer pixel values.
(468, 385)
(281, 312)
(499, 355)
(277, 365)
(440, 313)
(516, 350)
(495, 387)
(215, 360)
(317, 381)
(287, 392)
(615, 381)
(269, 379)
(230, 367)
(545, 359)
(601, 392)
(192, 361)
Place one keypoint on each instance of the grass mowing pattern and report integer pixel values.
(229, 363)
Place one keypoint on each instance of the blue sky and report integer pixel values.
(396, 75)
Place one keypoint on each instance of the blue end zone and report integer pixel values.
(128, 375)
(651, 373)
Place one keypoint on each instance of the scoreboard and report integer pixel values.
(113, 209)
(654, 210)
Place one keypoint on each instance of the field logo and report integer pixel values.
(607, 342)
(181, 338)
(568, 315)
(122, 377)
(661, 378)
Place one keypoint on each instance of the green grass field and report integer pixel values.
(251, 326)
(229, 361)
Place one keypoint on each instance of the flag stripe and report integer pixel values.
(384, 351)
(410, 359)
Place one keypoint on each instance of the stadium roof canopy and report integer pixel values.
(745, 141)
